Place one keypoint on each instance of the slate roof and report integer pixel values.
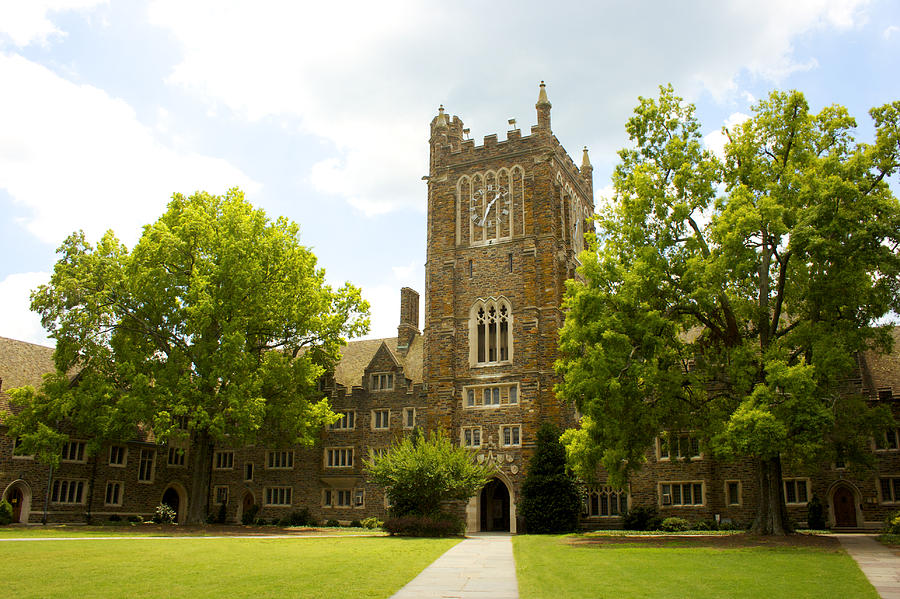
(21, 364)
(356, 355)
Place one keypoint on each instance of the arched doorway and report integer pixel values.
(245, 506)
(494, 506)
(18, 494)
(843, 502)
(174, 498)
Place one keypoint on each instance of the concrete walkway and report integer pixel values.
(880, 564)
(481, 566)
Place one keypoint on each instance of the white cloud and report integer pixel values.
(79, 158)
(28, 21)
(17, 321)
(385, 299)
(890, 31)
(715, 140)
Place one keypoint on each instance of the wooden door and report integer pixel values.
(844, 507)
(16, 497)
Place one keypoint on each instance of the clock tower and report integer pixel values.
(506, 222)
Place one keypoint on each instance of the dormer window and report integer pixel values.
(382, 381)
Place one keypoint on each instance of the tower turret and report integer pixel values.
(543, 109)
(587, 173)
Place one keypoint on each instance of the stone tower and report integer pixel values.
(506, 222)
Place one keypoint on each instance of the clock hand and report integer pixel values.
(488, 209)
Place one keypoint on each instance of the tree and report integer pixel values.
(730, 298)
(550, 500)
(419, 473)
(213, 329)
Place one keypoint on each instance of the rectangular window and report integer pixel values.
(382, 381)
(117, 455)
(343, 498)
(604, 502)
(223, 460)
(113, 493)
(359, 498)
(511, 435)
(888, 441)
(221, 494)
(681, 494)
(381, 419)
(280, 460)
(471, 269)
(347, 421)
(470, 398)
(176, 456)
(409, 417)
(248, 471)
(147, 465)
(733, 492)
(17, 450)
(796, 491)
(378, 452)
(339, 457)
(491, 396)
(678, 445)
(471, 436)
(509, 263)
(327, 498)
(73, 451)
(278, 496)
(67, 491)
(890, 489)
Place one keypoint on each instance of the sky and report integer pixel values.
(320, 111)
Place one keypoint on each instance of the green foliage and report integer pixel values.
(332, 523)
(249, 517)
(729, 297)
(641, 518)
(418, 473)
(892, 524)
(355, 524)
(550, 501)
(815, 514)
(6, 512)
(428, 525)
(372, 523)
(675, 524)
(164, 514)
(301, 518)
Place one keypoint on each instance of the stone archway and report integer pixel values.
(246, 504)
(18, 494)
(494, 507)
(175, 496)
(844, 504)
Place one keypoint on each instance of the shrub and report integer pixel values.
(356, 524)
(892, 524)
(164, 514)
(707, 525)
(6, 512)
(551, 500)
(135, 519)
(729, 524)
(675, 524)
(435, 525)
(301, 518)
(249, 517)
(332, 522)
(261, 522)
(115, 518)
(815, 514)
(642, 518)
(372, 522)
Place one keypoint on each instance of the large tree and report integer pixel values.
(213, 329)
(730, 297)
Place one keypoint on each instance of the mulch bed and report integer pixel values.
(736, 541)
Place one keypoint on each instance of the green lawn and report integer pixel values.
(215, 567)
(554, 567)
(155, 530)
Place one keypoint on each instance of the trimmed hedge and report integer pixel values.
(438, 525)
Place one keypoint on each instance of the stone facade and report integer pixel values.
(505, 223)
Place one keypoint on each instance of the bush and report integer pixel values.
(729, 524)
(551, 500)
(815, 514)
(164, 514)
(642, 518)
(372, 522)
(249, 517)
(675, 524)
(436, 525)
(332, 522)
(135, 519)
(355, 524)
(115, 518)
(707, 525)
(892, 524)
(301, 518)
(6, 512)
(261, 522)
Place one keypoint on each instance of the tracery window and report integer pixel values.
(490, 206)
(490, 332)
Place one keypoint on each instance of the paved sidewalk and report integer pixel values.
(880, 564)
(481, 566)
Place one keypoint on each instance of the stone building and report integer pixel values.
(505, 223)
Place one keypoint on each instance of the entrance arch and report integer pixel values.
(494, 508)
(175, 497)
(18, 494)
(246, 504)
(844, 506)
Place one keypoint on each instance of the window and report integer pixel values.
(146, 465)
(347, 421)
(488, 203)
(223, 460)
(221, 494)
(343, 498)
(176, 456)
(280, 460)
(796, 490)
(490, 332)
(359, 498)
(117, 455)
(327, 498)
(890, 489)
(339, 457)
(732, 492)
(678, 445)
(378, 452)
(509, 263)
(248, 471)
(278, 496)
(471, 269)
(603, 502)
(73, 451)
(67, 491)
(113, 493)
(382, 381)
(409, 417)
(511, 435)
(491, 396)
(888, 441)
(17, 448)
(381, 419)
(471, 436)
(681, 494)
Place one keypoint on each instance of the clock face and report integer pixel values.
(488, 204)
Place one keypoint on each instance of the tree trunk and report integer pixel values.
(201, 465)
(88, 516)
(771, 514)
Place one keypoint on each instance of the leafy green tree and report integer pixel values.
(730, 298)
(419, 473)
(213, 329)
(550, 500)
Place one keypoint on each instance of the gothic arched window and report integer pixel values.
(490, 332)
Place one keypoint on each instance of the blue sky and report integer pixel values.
(321, 113)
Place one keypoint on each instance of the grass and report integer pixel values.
(343, 567)
(697, 567)
(155, 530)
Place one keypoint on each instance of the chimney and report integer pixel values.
(409, 319)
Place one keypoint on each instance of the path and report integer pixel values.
(880, 564)
(481, 566)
